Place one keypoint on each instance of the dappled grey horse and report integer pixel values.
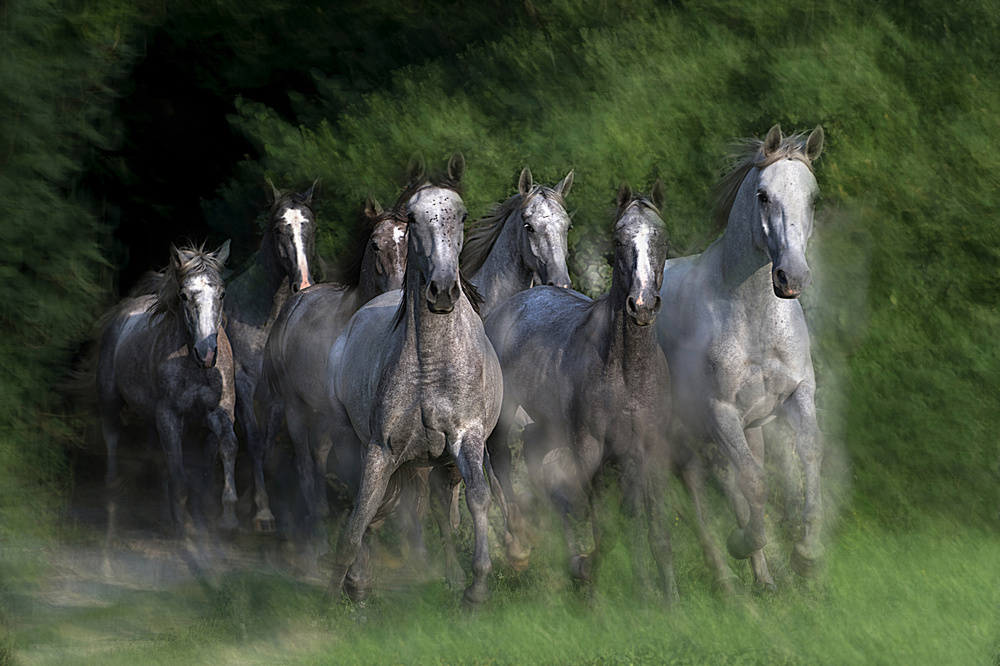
(413, 380)
(255, 296)
(521, 242)
(166, 356)
(593, 378)
(738, 346)
(294, 374)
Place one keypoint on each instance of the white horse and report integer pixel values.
(738, 347)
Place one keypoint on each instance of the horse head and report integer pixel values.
(386, 250)
(201, 292)
(542, 234)
(436, 218)
(784, 204)
(292, 230)
(640, 252)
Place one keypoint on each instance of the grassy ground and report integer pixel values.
(929, 593)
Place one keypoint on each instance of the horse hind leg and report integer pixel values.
(693, 476)
(257, 447)
(111, 429)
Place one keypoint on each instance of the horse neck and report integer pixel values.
(625, 344)
(746, 268)
(430, 334)
(367, 287)
(268, 265)
(504, 272)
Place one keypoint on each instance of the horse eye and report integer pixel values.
(530, 228)
(465, 217)
(222, 295)
(375, 247)
(762, 196)
(184, 296)
(410, 218)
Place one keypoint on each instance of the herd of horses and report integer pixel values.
(428, 349)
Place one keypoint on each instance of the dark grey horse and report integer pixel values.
(295, 355)
(593, 378)
(255, 297)
(413, 380)
(738, 344)
(167, 358)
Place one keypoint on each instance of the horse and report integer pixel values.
(593, 378)
(521, 243)
(413, 380)
(166, 357)
(738, 346)
(292, 385)
(280, 268)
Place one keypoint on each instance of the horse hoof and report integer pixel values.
(579, 567)
(738, 546)
(474, 598)
(356, 591)
(724, 587)
(228, 523)
(518, 564)
(805, 564)
(264, 525)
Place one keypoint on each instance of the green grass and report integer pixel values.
(926, 595)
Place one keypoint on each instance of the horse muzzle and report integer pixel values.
(442, 295)
(789, 285)
(206, 351)
(643, 309)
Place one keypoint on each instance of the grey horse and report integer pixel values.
(255, 296)
(295, 355)
(166, 357)
(738, 346)
(593, 378)
(413, 380)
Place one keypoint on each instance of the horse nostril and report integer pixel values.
(781, 277)
(630, 306)
(454, 292)
(657, 305)
(432, 291)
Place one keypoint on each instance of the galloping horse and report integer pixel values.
(254, 300)
(167, 358)
(737, 342)
(593, 378)
(414, 378)
(295, 355)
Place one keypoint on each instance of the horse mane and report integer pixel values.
(636, 199)
(484, 234)
(167, 282)
(348, 273)
(287, 198)
(747, 154)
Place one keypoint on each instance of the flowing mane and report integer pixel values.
(484, 233)
(168, 281)
(749, 154)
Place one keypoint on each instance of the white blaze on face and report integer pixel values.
(643, 263)
(204, 299)
(297, 221)
(397, 235)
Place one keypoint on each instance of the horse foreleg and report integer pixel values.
(111, 428)
(221, 424)
(170, 426)
(801, 411)
(693, 475)
(516, 542)
(659, 526)
(263, 520)
(442, 479)
(748, 539)
(296, 418)
(378, 468)
(469, 458)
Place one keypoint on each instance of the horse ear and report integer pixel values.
(313, 191)
(223, 252)
(814, 144)
(272, 193)
(176, 259)
(563, 186)
(372, 207)
(524, 183)
(773, 140)
(416, 168)
(624, 194)
(659, 194)
(456, 166)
